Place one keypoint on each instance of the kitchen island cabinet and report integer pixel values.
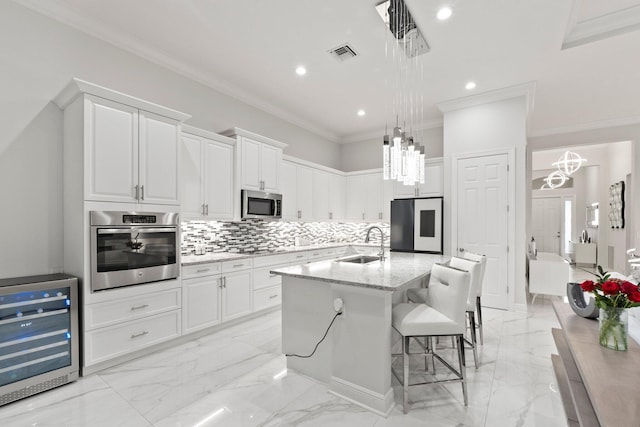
(355, 358)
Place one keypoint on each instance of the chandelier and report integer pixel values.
(402, 156)
(567, 165)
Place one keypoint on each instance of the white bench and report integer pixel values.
(548, 275)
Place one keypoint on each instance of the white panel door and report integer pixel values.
(338, 187)
(218, 188)
(320, 195)
(112, 151)
(482, 221)
(270, 160)
(191, 177)
(237, 295)
(289, 191)
(159, 159)
(305, 193)
(546, 223)
(250, 159)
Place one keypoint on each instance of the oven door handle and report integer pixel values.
(136, 230)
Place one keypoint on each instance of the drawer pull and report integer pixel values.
(139, 307)
(316, 254)
(202, 270)
(273, 296)
(238, 265)
(141, 334)
(299, 256)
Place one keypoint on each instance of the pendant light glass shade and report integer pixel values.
(569, 163)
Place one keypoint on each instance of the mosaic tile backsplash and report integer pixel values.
(255, 234)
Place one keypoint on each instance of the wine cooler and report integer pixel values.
(38, 334)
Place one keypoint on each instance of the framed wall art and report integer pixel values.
(616, 205)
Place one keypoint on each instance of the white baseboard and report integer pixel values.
(381, 404)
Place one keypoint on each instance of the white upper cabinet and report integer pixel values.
(207, 175)
(124, 149)
(111, 132)
(297, 188)
(320, 192)
(258, 161)
(433, 182)
(368, 197)
(289, 189)
(158, 159)
(337, 198)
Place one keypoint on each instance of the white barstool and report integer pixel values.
(483, 264)
(442, 315)
(419, 295)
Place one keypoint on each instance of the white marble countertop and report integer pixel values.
(226, 256)
(397, 269)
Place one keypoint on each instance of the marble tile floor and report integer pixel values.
(237, 377)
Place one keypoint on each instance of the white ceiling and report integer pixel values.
(250, 49)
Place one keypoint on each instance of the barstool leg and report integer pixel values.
(405, 374)
(460, 339)
(479, 310)
(474, 343)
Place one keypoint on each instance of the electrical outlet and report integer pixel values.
(338, 305)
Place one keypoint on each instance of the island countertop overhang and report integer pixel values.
(397, 270)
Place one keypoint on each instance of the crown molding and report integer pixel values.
(601, 27)
(582, 127)
(365, 136)
(100, 31)
(526, 89)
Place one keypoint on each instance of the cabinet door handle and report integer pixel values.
(330, 215)
(137, 197)
(142, 192)
(141, 334)
(139, 307)
(363, 216)
(207, 209)
(203, 209)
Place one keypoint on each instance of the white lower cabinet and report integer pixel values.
(215, 293)
(236, 294)
(107, 343)
(267, 297)
(201, 303)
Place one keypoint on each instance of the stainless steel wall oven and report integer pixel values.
(129, 248)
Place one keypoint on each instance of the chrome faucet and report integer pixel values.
(366, 240)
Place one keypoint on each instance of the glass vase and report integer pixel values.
(614, 327)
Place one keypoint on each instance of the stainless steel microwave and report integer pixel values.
(258, 204)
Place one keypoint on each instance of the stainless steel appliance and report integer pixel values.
(258, 204)
(416, 225)
(129, 248)
(38, 334)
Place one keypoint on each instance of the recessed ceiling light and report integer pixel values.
(301, 71)
(470, 85)
(361, 113)
(444, 13)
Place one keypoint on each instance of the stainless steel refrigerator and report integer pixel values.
(416, 225)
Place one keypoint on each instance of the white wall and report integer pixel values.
(497, 125)
(367, 154)
(39, 57)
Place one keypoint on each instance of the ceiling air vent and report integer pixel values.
(343, 52)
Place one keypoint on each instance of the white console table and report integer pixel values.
(548, 274)
(584, 253)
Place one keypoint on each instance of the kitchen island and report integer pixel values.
(354, 360)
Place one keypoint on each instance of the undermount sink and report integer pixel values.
(360, 259)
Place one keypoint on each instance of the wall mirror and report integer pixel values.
(592, 215)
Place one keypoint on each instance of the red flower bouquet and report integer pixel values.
(613, 297)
